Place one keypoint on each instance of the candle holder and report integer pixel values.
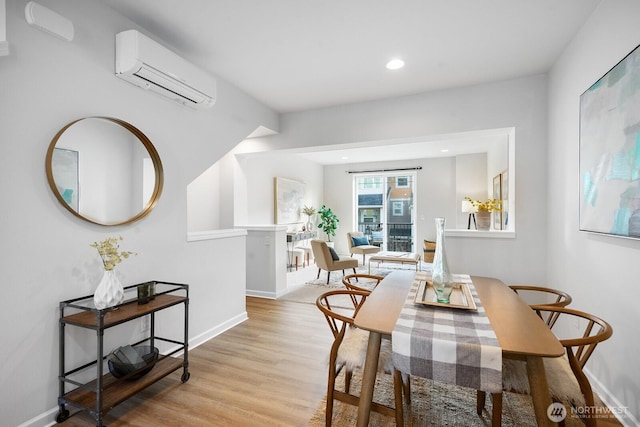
(146, 292)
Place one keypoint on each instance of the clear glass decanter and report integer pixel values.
(441, 276)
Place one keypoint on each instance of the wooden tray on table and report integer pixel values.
(460, 296)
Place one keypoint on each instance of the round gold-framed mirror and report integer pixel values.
(104, 170)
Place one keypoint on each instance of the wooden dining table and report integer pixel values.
(522, 335)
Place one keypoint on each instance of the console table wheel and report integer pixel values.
(62, 416)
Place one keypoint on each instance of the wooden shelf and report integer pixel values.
(128, 311)
(116, 390)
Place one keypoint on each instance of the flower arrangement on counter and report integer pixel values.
(110, 253)
(309, 210)
(487, 205)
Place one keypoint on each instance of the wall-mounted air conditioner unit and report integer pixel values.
(149, 65)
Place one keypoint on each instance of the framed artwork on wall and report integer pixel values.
(504, 205)
(288, 200)
(610, 151)
(497, 194)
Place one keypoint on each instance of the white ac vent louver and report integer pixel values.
(151, 66)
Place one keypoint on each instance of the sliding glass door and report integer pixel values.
(384, 209)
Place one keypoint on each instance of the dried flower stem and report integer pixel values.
(108, 250)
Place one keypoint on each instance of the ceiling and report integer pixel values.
(296, 55)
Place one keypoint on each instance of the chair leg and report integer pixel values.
(406, 388)
(328, 275)
(562, 423)
(480, 399)
(296, 262)
(362, 259)
(319, 270)
(397, 393)
(330, 387)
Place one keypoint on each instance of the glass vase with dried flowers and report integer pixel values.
(309, 211)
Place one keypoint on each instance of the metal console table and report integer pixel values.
(103, 393)
(292, 238)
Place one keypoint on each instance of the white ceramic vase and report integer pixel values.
(109, 291)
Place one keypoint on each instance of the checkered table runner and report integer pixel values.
(447, 344)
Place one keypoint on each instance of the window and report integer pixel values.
(370, 183)
(397, 208)
(384, 205)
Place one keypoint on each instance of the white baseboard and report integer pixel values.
(626, 418)
(47, 419)
(260, 294)
(264, 294)
(214, 332)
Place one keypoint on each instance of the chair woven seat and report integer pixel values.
(353, 351)
(560, 378)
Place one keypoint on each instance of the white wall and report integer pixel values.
(258, 187)
(45, 84)
(600, 272)
(519, 103)
(203, 200)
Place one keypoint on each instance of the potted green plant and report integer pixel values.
(328, 221)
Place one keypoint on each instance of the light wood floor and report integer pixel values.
(268, 371)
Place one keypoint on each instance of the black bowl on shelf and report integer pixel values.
(120, 367)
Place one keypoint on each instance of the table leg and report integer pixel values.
(369, 378)
(539, 390)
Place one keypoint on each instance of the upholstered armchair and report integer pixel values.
(325, 260)
(359, 244)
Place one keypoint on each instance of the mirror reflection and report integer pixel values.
(104, 170)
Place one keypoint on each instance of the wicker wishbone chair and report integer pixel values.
(545, 296)
(369, 283)
(348, 352)
(565, 375)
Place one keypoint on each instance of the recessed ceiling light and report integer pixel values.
(344, 157)
(395, 64)
(444, 150)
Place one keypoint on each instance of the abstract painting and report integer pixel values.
(289, 197)
(610, 151)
